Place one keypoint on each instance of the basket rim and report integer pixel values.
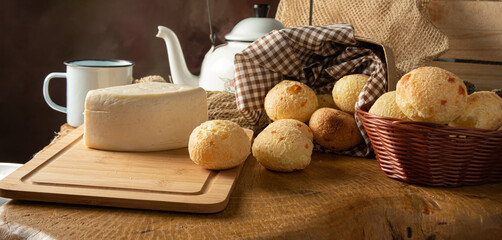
(363, 112)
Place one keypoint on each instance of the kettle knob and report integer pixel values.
(261, 10)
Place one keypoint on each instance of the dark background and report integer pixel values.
(36, 37)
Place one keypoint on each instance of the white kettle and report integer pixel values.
(217, 71)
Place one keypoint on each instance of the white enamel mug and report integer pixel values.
(82, 76)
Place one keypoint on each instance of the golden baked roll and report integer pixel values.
(325, 100)
(386, 106)
(292, 123)
(290, 100)
(150, 78)
(483, 110)
(334, 129)
(347, 90)
(431, 94)
(218, 144)
(285, 145)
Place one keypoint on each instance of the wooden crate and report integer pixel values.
(474, 29)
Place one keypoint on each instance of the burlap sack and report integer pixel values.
(222, 105)
(401, 25)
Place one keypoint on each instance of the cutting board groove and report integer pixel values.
(69, 172)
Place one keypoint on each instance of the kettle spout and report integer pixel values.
(179, 69)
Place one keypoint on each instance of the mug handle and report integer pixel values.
(46, 91)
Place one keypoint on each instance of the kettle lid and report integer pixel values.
(250, 29)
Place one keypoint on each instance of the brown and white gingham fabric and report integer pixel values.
(314, 55)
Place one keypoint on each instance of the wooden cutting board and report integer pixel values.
(69, 172)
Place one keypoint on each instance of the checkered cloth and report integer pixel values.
(314, 55)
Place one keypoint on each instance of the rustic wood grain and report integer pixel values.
(335, 197)
(473, 28)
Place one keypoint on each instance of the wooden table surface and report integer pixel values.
(335, 197)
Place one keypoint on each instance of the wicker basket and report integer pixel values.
(433, 154)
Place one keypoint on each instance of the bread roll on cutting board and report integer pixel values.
(218, 145)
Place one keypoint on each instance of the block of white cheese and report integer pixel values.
(149, 116)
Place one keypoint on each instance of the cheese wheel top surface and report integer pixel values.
(113, 96)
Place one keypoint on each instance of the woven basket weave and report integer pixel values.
(433, 154)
